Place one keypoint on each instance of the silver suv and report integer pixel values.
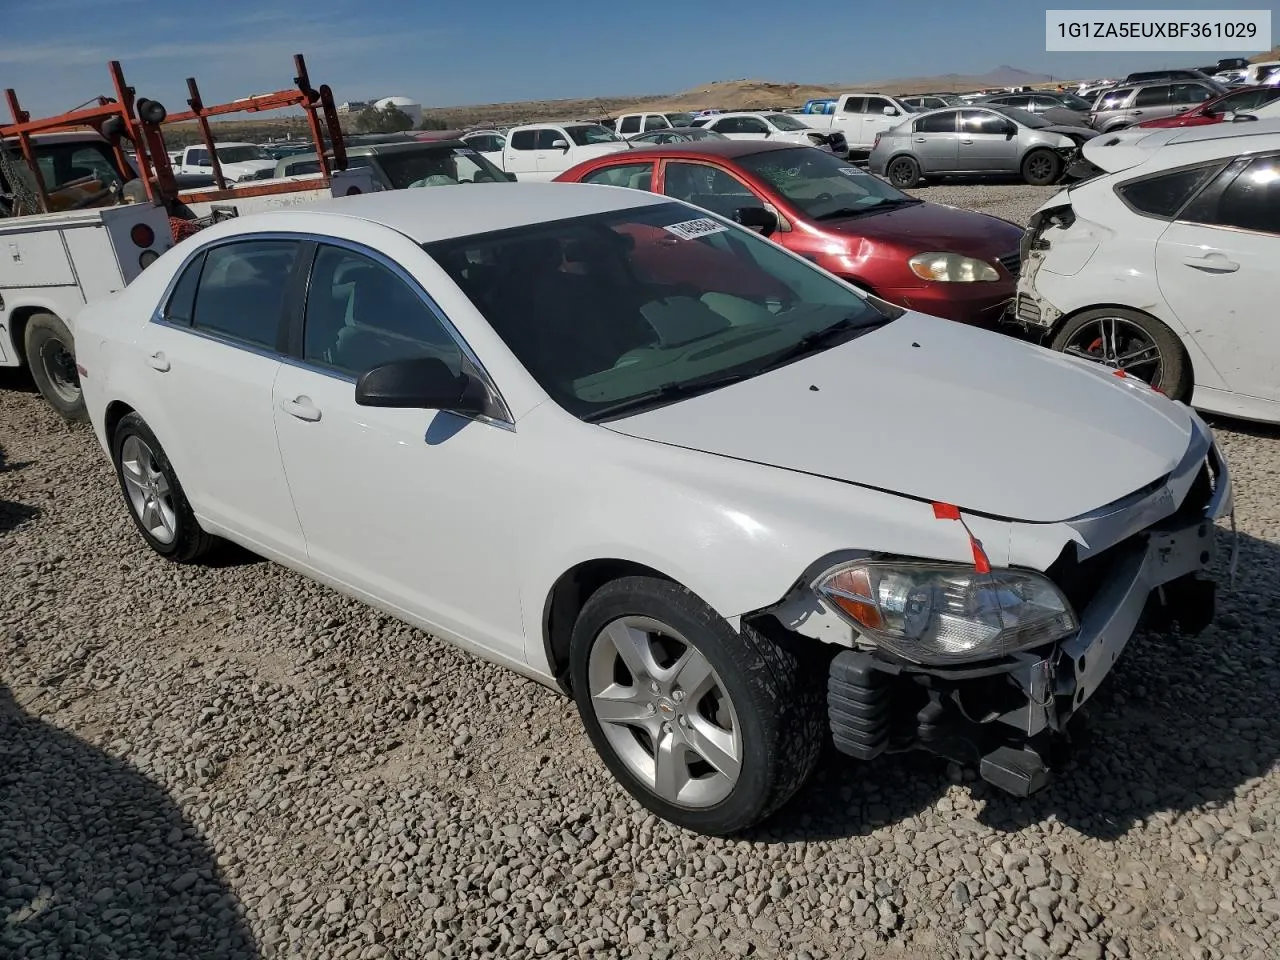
(1127, 104)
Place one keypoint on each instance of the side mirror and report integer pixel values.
(560, 145)
(421, 383)
(890, 112)
(763, 221)
(1011, 131)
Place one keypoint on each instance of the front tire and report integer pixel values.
(1040, 168)
(1134, 342)
(903, 172)
(709, 728)
(154, 496)
(51, 355)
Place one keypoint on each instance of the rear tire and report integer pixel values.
(664, 684)
(1133, 341)
(1040, 168)
(154, 496)
(903, 172)
(51, 356)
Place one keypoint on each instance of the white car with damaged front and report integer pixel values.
(649, 458)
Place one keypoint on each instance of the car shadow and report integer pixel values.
(1183, 722)
(96, 860)
(1250, 428)
(14, 515)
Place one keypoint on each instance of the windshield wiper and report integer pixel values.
(820, 339)
(869, 208)
(667, 393)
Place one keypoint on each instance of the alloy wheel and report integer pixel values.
(150, 495)
(1120, 344)
(665, 712)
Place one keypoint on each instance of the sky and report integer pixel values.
(501, 50)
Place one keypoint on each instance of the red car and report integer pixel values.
(1212, 111)
(925, 256)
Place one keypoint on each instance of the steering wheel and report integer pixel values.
(824, 196)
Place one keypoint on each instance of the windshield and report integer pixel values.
(679, 119)
(620, 307)
(1021, 116)
(240, 154)
(785, 122)
(1072, 102)
(821, 185)
(434, 166)
(591, 133)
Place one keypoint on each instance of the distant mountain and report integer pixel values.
(1001, 76)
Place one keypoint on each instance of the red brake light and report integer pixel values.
(142, 235)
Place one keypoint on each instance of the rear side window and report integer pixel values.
(1164, 195)
(1152, 97)
(638, 176)
(523, 140)
(937, 123)
(1251, 201)
(241, 293)
(182, 302)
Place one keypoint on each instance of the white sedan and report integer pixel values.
(1163, 265)
(640, 454)
(779, 127)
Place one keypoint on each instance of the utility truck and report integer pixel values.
(89, 199)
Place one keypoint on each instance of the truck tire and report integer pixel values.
(711, 728)
(51, 355)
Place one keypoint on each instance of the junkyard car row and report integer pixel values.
(675, 435)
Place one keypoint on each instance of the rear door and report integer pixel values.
(875, 120)
(637, 176)
(984, 143)
(934, 139)
(520, 153)
(552, 160)
(1216, 267)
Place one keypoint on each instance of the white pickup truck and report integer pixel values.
(52, 264)
(543, 151)
(860, 116)
(240, 162)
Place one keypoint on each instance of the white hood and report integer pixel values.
(942, 412)
(241, 167)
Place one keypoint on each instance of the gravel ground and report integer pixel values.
(231, 762)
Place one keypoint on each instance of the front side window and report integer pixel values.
(242, 289)
(622, 311)
(1189, 93)
(241, 154)
(656, 122)
(877, 105)
(983, 121)
(198, 157)
(728, 125)
(782, 121)
(820, 184)
(629, 125)
(360, 314)
(1250, 201)
(753, 125)
(1164, 195)
(588, 133)
(63, 163)
(944, 122)
(638, 176)
(1114, 99)
(708, 187)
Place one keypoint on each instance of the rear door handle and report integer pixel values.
(159, 362)
(966, 141)
(922, 139)
(302, 408)
(1212, 263)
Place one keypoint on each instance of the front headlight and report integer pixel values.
(940, 613)
(952, 268)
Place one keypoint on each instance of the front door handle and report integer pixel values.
(1212, 263)
(922, 139)
(966, 141)
(302, 408)
(159, 362)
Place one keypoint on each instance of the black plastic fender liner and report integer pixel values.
(858, 704)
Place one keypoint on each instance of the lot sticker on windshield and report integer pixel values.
(692, 229)
(853, 172)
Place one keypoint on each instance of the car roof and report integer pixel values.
(746, 113)
(427, 214)
(381, 149)
(1174, 146)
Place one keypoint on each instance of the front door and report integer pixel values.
(553, 160)
(988, 142)
(214, 357)
(875, 120)
(1216, 267)
(708, 187)
(413, 507)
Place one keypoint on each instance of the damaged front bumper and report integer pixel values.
(1004, 717)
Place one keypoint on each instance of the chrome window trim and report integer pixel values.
(158, 315)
